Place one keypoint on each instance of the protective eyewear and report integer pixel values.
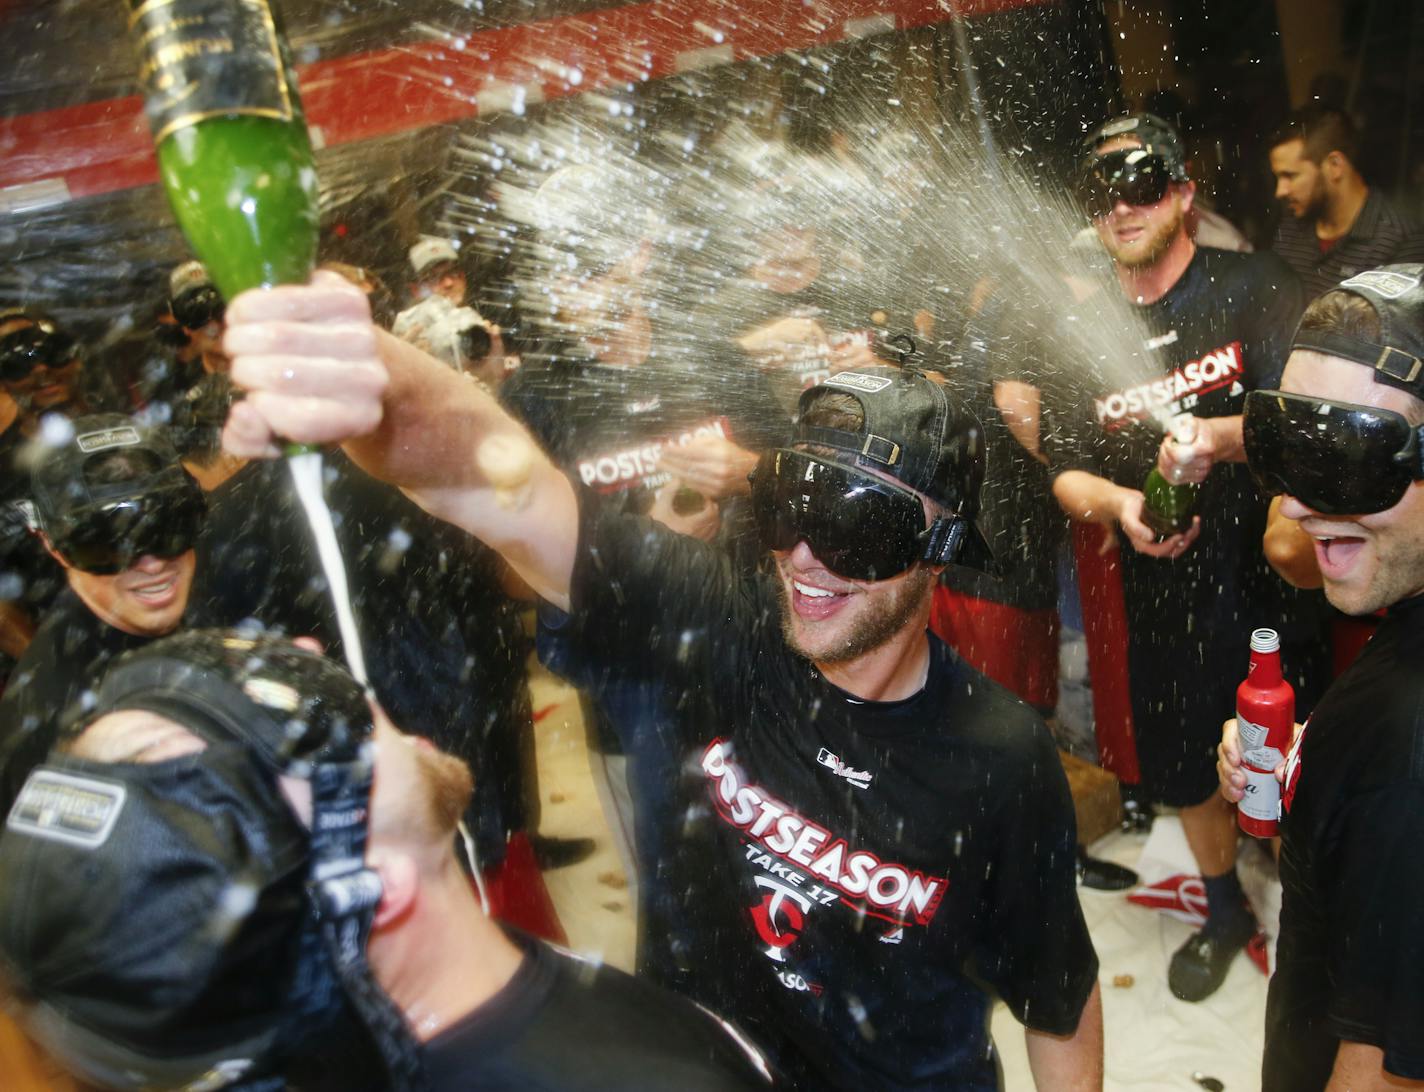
(108, 537)
(859, 527)
(1336, 458)
(1130, 175)
(198, 307)
(24, 350)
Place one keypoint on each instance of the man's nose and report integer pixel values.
(1292, 508)
(802, 556)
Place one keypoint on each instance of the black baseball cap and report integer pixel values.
(1397, 294)
(915, 430)
(1157, 137)
(103, 527)
(159, 923)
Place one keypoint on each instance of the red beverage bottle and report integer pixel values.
(1265, 722)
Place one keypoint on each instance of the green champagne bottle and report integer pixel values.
(1167, 507)
(233, 149)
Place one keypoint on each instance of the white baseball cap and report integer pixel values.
(429, 251)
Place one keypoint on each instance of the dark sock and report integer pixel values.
(1226, 909)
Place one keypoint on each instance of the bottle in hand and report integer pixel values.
(233, 150)
(1167, 507)
(1265, 723)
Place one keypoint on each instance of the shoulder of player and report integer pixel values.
(700, 1048)
(1253, 270)
(980, 711)
(1388, 217)
(1373, 715)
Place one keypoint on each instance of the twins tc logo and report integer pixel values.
(779, 916)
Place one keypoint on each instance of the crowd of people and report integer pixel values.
(798, 537)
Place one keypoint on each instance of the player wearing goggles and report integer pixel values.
(1135, 188)
(115, 508)
(1214, 325)
(39, 362)
(1340, 441)
(849, 721)
(198, 308)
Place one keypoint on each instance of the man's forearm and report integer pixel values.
(1087, 497)
(1359, 1067)
(1228, 445)
(457, 453)
(1070, 1063)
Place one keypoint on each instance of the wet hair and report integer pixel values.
(1340, 312)
(838, 410)
(1322, 130)
(835, 409)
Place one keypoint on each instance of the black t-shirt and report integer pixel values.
(875, 868)
(443, 644)
(563, 1024)
(1350, 962)
(1223, 329)
(1017, 513)
(68, 656)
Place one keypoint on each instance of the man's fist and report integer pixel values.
(308, 357)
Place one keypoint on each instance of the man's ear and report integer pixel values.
(1188, 191)
(1334, 165)
(400, 887)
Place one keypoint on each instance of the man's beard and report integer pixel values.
(1314, 209)
(871, 630)
(1157, 244)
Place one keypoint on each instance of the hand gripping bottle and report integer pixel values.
(1265, 722)
(1167, 507)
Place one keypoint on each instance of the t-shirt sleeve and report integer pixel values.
(1376, 948)
(1037, 952)
(653, 603)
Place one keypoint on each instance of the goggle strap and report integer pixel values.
(1412, 457)
(1392, 366)
(346, 894)
(872, 448)
(944, 541)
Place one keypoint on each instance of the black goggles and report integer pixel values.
(197, 307)
(22, 351)
(1129, 175)
(1336, 458)
(109, 537)
(859, 527)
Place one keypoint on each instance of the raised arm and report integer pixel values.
(318, 371)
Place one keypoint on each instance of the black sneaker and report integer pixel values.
(551, 853)
(1199, 966)
(1103, 875)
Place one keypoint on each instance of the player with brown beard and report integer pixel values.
(877, 820)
